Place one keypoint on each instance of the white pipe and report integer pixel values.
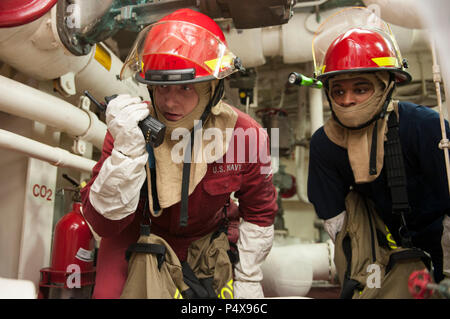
(398, 12)
(17, 289)
(301, 169)
(435, 14)
(316, 121)
(54, 155)
(301, 151)
(290, 270)
(36, 50)
(444, 143)
(292, 40)
(315, 109)
(24, 101)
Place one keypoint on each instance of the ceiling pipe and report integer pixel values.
(292, 41)
(24, 101)
(398, 12)
(36, 50)
(53, 155)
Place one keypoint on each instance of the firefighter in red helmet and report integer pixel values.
(183, 59)
(357, 59)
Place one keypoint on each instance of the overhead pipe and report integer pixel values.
(24, 101)
(398, 12)
(292, 41)
(35, 49)
(53, 155)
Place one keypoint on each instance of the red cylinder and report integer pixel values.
(72, 272)
(73, 242)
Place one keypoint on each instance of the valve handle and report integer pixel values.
(418, 284)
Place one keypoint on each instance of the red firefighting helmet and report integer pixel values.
(183, 47)
(356, 40)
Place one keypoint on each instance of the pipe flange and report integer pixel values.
(67, 31)
(93, 122)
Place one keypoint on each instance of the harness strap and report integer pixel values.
(187, 155)
(156, 249)
(411, 253)
(197, 288)
(396, 177)
(349, 285)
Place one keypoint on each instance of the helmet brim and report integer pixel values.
(142, 80)
(401, 77)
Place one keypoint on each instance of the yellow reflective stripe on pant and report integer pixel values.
(227, 291)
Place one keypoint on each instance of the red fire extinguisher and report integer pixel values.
(72, 271)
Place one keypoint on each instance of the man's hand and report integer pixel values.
(122, 117)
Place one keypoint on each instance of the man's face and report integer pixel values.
(351, 92)
(175, 101)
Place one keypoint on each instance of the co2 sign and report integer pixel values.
(42, 191)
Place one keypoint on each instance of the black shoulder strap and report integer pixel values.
(396, 176)
(395, 167)
(218, 93)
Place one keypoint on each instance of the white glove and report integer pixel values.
(122, 117)
(445, 242)
(115, 191)
(334, 225)
(254, 245)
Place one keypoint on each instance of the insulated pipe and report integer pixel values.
(17, 289)
(301, 151)
(53, 155)
(444, 144)
(292, 40)
(290, 270)
(316, 121)
(36, 50)
(24, 101)
(398, 12)
(315, 109)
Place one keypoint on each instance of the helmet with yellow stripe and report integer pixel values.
(184, 47)
(357, 40)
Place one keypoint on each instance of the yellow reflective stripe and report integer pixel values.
(225, 62)
(385, 61)
(178, 295)
(227, 289)
(391, 242)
